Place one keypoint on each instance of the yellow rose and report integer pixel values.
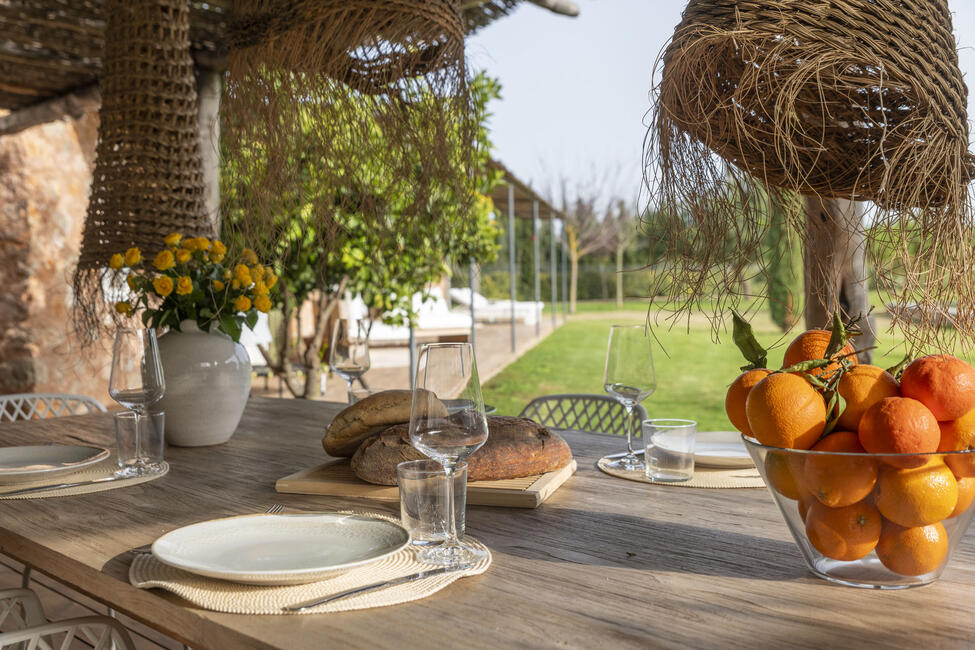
(219, 248)
(173, 239)
(184, 286)
(260, 289)
(190, 244)
(248, 256)
(202, 244)
(183, 256)
(243, 275)
(131, 282)
(216, 258)
(257, 272)
(125, 308)
(164, 260)
(218, 285)
(133, 256)
(227, 274)
(262, 304)
(270, 280)
(235, 285)
(117, 261)
(243, 303)
(163, 285)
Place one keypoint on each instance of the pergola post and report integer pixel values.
(565, 287)
(536, 268)
(554, 276)
(208, 92)
(511, 257)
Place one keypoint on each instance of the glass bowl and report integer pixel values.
(876, 521)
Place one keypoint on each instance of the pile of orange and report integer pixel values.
(853, 505)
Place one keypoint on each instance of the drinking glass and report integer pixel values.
(629, 378)
(137, 379)
(669, 449)
(421, 500)
(447, 424)
(348, 353)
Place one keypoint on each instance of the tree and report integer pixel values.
(622, 228)
(586, 231)
(784, 268)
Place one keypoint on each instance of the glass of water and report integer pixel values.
(139, 440)
(423, 503)
(669, 449)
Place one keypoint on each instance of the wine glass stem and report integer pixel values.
(629, 429)
(450, 536)
(349, 383)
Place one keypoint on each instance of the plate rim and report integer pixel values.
(101, 455)
(725, 461)
(230, 574)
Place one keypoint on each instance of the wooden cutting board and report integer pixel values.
(335, 478)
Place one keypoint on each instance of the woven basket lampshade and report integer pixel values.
(849, 99)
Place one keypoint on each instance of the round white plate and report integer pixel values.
(38, 462)
(280, 549)
(721, 449)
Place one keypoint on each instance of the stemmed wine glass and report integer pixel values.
(447, 423)
(137, 380)
(629, 377)
(348, 353)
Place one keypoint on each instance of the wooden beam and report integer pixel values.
(74, 104)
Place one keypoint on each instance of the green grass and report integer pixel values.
(692, 371)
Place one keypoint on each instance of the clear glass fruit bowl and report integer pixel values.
(877, 521)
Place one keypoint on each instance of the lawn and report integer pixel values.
(693, 372)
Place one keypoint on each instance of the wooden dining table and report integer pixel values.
(605, 562)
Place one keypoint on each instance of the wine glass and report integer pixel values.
(447, 423)
(137, 380)
(629, 377)
(348, 353)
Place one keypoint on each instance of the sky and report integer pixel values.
(575, 91)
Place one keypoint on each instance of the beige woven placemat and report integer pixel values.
(704, 477)
(233, 598)
(103, 469)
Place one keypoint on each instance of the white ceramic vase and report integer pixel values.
(208, 379)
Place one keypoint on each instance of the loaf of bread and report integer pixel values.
(515, 447)
(371, 415)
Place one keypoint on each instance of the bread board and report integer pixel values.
(335, 478)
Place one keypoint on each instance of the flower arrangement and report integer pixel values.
(190, 279)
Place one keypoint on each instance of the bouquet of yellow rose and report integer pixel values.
(189, 279)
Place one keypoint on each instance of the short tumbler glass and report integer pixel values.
(423, 498)
(669, 449)
(139, 441)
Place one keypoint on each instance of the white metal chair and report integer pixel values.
(23, 618)
(29, 406)
(583, 412)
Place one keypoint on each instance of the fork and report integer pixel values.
(273, 509)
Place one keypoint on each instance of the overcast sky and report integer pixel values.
(575, 90)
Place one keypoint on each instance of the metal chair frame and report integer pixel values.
(21, 610)
(28, 406)
(583, 412)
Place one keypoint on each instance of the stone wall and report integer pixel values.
(45, 175)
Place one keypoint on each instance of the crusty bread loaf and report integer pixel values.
(515, 447)
(371, 415)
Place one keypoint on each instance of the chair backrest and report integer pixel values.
(583, 412)
(96, 632)
(30, 406)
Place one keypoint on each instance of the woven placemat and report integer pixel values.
(233, 598)
(103, 469)
(704, 477)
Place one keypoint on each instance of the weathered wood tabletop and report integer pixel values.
(604, 562)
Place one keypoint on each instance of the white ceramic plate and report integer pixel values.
(38, 462)
(280, 549)
(721, 449)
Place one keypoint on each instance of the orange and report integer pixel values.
(863, 386)
(783, 471)
(812, 344)
(912, 551)
(899, 425)
(916, 496)
(943, 383)
(734, 401)
(805, 501)
(839, 480)
(966, 494)
(959, 435)
(846, 533)
(785, 411)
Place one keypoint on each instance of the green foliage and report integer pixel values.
(784, 270)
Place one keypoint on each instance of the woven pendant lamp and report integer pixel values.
(849, 99)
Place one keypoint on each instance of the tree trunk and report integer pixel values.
(619, 274)
(834, 261)
(573, 282)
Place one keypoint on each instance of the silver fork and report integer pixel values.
(147, 549)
